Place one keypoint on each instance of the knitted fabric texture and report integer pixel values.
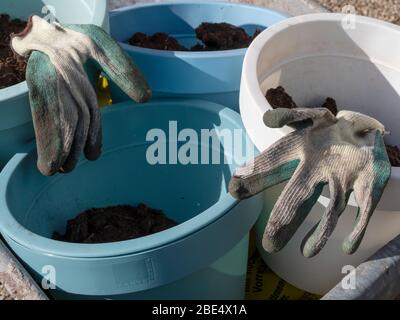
(64, 105)
(346, 152)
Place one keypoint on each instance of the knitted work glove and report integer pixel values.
(347, 152)
(64, 106)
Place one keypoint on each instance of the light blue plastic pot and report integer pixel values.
(15, 118)
(204, 257)
(213, 76)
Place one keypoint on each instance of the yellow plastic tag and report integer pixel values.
(103, 92)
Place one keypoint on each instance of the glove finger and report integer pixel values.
(300, 118)
(116, 63)
(94, 143)
(86, 101)
(319, 235)
(292, 207)
(273, 166)
(361, 122)
(94, 139)
(80, 138)
(54, 116)
(368, 189)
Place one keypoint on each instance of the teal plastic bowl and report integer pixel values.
(204, 257)
(213, 76)
(16, 128)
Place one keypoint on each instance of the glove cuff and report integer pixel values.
(21, 35)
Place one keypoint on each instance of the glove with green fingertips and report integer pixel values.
(346, 152)
(64, 105)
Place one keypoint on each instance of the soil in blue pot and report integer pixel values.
(117, 223)
(12, 67)
(211, 36)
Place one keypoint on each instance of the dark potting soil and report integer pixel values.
(222, 36)
(111, 224)
(12, 67)
(394, 155)
(213, 36)
(279, 98)
(159, 41)
(331, 105)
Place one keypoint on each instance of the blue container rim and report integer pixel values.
(10, 227)
(13, 91)
(201, 54)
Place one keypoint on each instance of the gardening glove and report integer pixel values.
(64, 105)
(347, 152)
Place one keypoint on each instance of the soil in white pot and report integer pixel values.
(117, 223)
(213, 37)
(279, 98)
(12, 67)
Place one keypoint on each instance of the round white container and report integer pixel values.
(314, 57)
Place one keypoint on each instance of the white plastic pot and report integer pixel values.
(315, 57)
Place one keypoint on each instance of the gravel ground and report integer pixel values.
(388, 10)
(4, 295)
